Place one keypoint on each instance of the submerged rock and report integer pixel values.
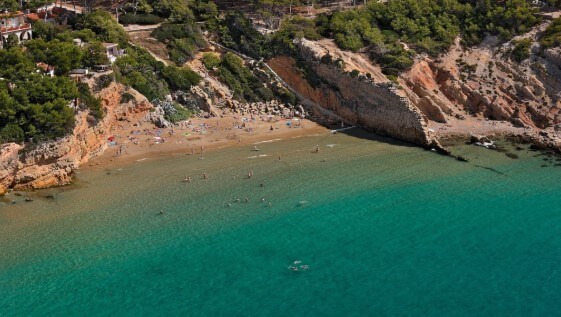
(512, 155)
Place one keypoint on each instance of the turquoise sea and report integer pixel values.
(385, 229)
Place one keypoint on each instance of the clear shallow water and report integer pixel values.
(387, 230)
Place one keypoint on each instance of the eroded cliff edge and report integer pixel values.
(371, 102)
(53, 163)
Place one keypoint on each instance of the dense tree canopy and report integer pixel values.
(32, 105)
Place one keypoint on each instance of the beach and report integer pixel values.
(140, 140)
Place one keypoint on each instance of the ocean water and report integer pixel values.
(385, 229)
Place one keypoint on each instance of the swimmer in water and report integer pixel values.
(246, 200)
(161, 212)
(261, 185)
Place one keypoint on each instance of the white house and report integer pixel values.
(112, 50)
(14, 23)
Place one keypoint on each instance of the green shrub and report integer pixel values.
(89, 101)
(180, 114)
(139, 18)
(140, 70)
(103, 82)
(126, 97)
(12, 133)
(293, 28)
(104, 25)
(551, 37)
(180, 78)
(236, 32)
(521, 50)
(211, 61)
(182, 40)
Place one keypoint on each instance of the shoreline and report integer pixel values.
(218, 133)
(138, 140)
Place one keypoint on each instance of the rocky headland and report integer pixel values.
(53, 163)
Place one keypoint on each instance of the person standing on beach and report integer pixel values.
(317, 148)
(250, 173)
(204, 175)
(192, 151)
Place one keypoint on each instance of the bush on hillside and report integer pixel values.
(139, 18)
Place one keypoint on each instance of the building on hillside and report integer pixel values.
(46, 69)
(50, 14)
(112, 50)
(78, 74)
(14, 23)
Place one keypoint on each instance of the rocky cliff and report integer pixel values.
(467, 87)
(53, 163)
(478, 90)
(368, 102)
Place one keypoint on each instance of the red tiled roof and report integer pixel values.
(33, 16)
(11, 14)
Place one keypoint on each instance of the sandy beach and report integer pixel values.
(138, 141)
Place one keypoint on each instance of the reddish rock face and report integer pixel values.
(53, 163)
(375, 104)
(483, 83)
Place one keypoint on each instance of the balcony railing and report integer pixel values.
(25, 26)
